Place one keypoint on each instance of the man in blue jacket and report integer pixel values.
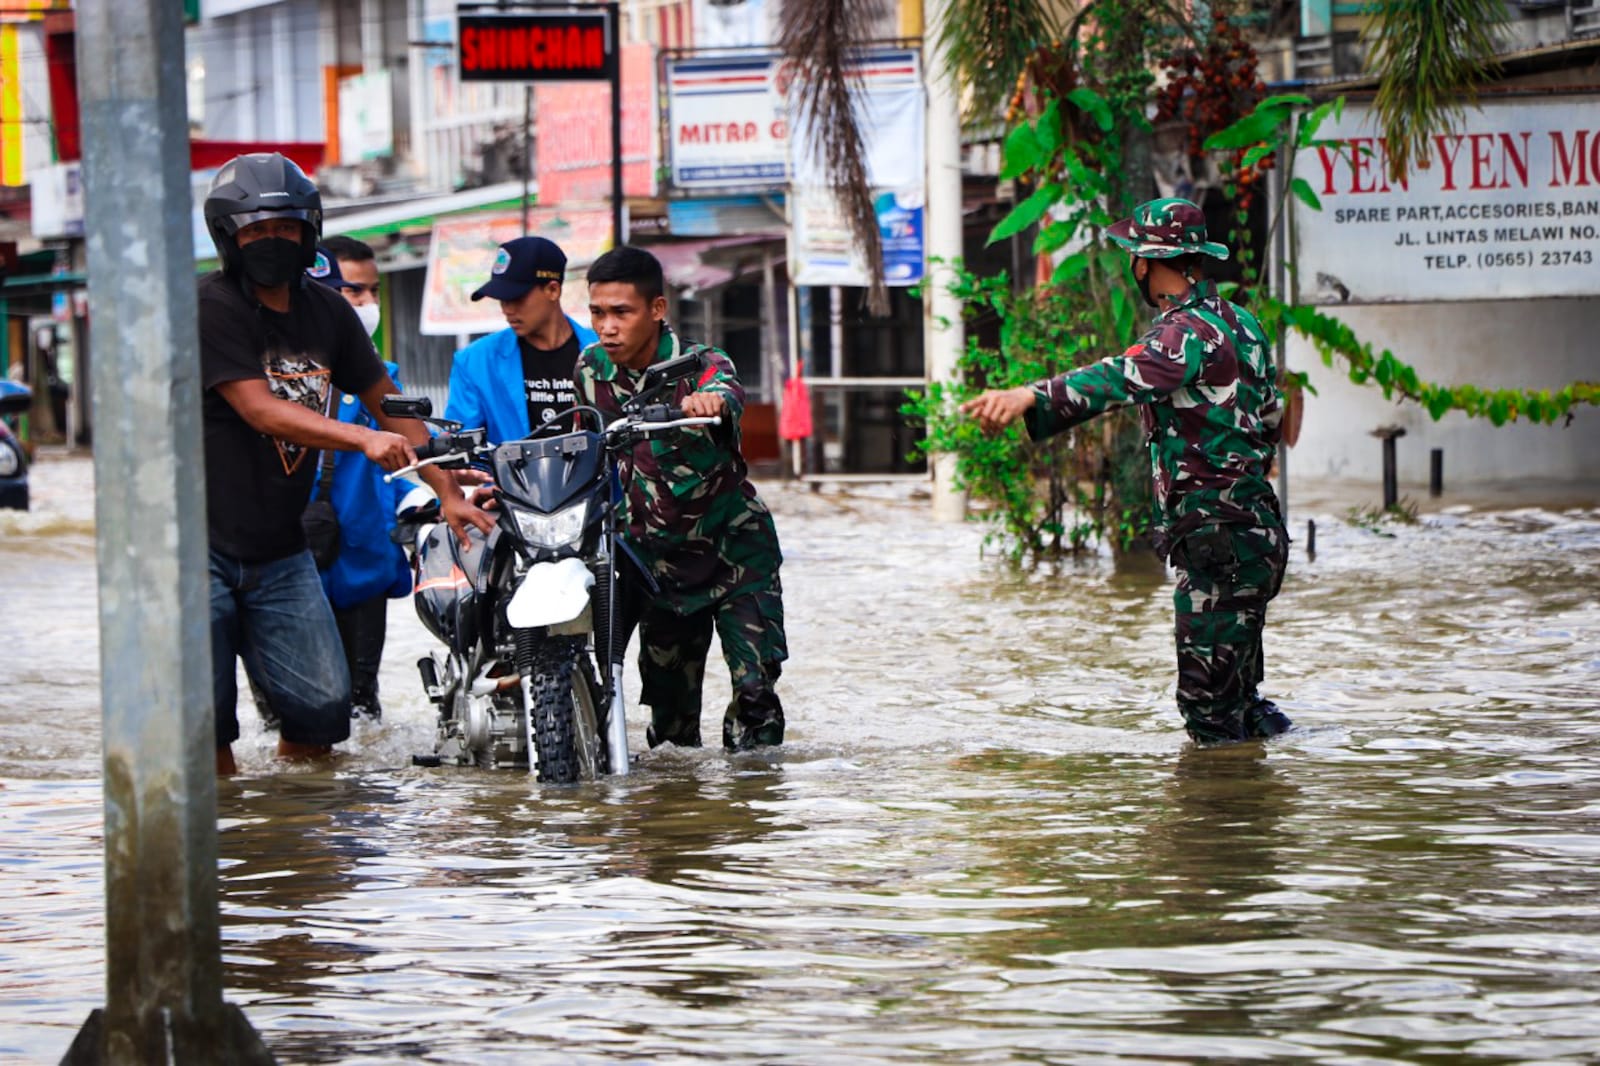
(516, 380)
(370, 568)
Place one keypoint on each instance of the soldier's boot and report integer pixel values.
(1263, 719)
(1211, 730)
(754, 719)
(669, 726)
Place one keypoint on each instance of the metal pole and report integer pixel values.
(527, 159)
(1279, 255)
(836, 370)
(1391, 481)
(163, 944)
(1436, 472)
(942, 332)
(1391, 490)
(619, 235)
(806, 363)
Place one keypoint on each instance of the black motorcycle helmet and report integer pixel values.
(253, 187)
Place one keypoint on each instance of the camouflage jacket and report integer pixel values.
(1205, 383)
(688, 506)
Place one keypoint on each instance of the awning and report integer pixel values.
(710, 262)
(366, 223)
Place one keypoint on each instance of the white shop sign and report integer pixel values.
(727, 123)
(1508, 207)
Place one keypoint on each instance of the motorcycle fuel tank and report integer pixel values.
(452, 584)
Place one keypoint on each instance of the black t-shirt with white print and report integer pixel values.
(547, 380)
(256, 485)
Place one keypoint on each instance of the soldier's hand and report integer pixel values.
(389, 450)
(704, 404)
(998, 408)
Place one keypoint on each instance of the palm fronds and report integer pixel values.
(1430, 57)
(988, 45)
(821, 37)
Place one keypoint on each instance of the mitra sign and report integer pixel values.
(560, 44)
(1508, 207)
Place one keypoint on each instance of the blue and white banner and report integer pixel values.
(823, 252)
(892, 115)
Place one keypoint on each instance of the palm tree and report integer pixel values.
(989, 44)
(1429, 56)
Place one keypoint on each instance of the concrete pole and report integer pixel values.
(163, 946)
(942, 344)
(772, 361)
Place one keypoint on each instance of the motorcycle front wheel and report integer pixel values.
(563, 709)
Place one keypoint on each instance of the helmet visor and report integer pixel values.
(232, 224)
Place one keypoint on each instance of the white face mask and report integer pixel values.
(368, 313)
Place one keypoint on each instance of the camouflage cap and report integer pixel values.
(1164, 229)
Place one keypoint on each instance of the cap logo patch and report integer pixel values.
(320, 268)
(502, 262)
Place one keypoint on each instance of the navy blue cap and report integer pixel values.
(521, 264)
(325, 268)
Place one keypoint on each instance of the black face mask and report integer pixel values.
(1143, 283)
(272, 261)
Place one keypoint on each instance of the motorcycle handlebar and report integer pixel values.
(658, 417)
(436, 447)
(448, 448)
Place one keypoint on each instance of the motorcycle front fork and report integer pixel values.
(617, 725)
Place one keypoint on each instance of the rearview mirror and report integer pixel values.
(407, 406)
(659, 374)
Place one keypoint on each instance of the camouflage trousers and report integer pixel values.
(672, 667)
(1226, 577)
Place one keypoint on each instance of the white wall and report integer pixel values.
(1541, 344)
(262, 76)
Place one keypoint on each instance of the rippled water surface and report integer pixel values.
(986, 841)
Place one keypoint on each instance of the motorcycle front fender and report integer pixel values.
(550, 594)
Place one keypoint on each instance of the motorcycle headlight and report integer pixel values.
(558, 530)
(10, 461)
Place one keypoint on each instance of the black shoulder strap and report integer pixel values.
(326, 460)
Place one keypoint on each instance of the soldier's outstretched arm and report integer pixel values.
(998, 408)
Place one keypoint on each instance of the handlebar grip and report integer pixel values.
(660, 412)
(437, 446)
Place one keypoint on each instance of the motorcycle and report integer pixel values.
(530, 674)
(15, 399)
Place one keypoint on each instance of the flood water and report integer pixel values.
(987, 840)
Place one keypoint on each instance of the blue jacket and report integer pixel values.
(486, 385)
(369, 563)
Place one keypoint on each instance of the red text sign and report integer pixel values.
(538, 46)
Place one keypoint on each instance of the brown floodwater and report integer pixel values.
(986, 841)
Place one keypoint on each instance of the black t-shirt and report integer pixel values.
(547, 379)
(256, 486)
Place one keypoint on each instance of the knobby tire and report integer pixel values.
(563, 712)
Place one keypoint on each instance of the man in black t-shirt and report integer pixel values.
(270, 346)
(515, 381)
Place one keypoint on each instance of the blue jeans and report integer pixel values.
(276, 618)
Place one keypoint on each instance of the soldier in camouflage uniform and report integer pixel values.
(1205, 384)
(692, 517)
